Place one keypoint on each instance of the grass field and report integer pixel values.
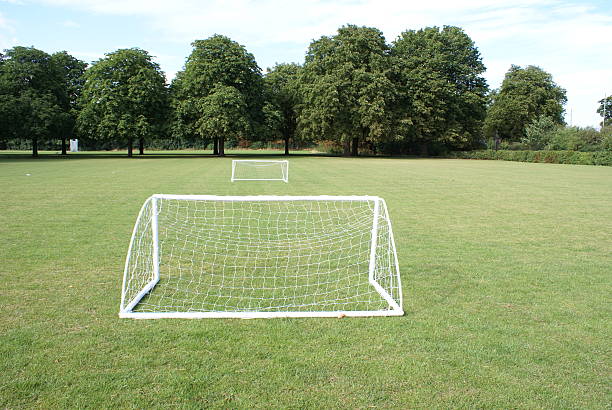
(506, 270)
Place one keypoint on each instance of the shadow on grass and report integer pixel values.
(27, 156)
(54, 156)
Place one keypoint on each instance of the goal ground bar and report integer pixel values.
(255, 315)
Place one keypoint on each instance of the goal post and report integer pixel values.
(260, 170)
(207, 256)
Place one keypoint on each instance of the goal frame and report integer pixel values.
(395, 306)
(284, 170)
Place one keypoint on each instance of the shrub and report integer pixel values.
(606, 139)
(513, 146)
(551, 157)
(329, 147)
(539, 132)
(576, 139)
(259, 145)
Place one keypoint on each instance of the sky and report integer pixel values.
(572, 40)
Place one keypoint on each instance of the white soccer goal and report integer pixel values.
(260, 170)
(205, 256)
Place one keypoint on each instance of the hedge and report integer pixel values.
(551, 157)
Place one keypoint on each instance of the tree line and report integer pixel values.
(420, 94)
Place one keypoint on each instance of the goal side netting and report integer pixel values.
(260, 170)
(198, 256)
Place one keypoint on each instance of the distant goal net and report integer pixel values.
(260, 170)
(204, 256)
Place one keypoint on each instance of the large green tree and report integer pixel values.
(32, 96)
(124, 99)
(525, 95)
(345, 88)
(214, 65)
(605, 110)
(71, 75)
(223, 114)
(441, 92)
(282, 98)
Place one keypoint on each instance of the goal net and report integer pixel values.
(197, 256)
(260, 170)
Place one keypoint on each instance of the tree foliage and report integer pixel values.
(281, 85)
(540, 132)
(71, 73)
(525, 95)
(441, 91)
(423, 93)
(345, 87)
(223, 114)
(605, 111)
(35, 100)
(214, 65)
(124, 98)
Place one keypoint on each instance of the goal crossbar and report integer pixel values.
(251, 198)
(307, 283)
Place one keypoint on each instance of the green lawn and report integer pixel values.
(506, 270)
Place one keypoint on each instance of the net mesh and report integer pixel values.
(244, 170)
(262, 256)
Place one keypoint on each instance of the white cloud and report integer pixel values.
(87, 56)
(71, 24)
(7, 33)
(571, 41)
(587, 88)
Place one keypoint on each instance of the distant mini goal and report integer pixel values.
(260, 170)
(204, 256)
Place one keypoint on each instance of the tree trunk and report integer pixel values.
(215, 146)
(141, 146)
(221, 146)
(346, 148)
(130, 147)
(34, 147)
(64, 146)
(286, 145)
(423, 149)
(354, 147)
